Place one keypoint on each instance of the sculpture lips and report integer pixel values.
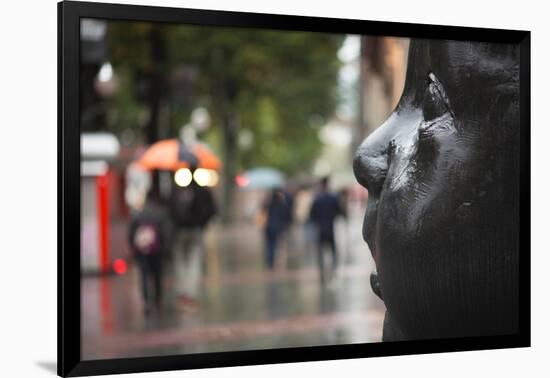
(375, 284)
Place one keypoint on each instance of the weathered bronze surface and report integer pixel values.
(443, 179)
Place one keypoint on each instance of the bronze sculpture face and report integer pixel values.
(443, 180)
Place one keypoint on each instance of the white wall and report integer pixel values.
(28, 186)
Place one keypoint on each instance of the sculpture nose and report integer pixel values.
(371, 161)
(375, 154)
(370, 168)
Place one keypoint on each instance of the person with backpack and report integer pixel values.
(192, 207)
(148, 240)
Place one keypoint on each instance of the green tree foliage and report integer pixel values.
(270, 83)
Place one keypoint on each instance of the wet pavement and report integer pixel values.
(242, 306)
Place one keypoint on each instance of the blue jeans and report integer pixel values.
(271, 237)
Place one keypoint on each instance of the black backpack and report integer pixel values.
(192, 206)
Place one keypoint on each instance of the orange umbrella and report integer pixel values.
(171, 155)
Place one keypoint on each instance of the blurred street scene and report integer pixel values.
(241, 305)
(219, 210)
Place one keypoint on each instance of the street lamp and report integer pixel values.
(106, 81)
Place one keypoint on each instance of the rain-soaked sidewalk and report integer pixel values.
(241, 305)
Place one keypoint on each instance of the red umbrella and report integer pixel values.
(171, 155)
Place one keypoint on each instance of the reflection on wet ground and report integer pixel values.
(242, 306)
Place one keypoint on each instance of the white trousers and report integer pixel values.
(188, 251)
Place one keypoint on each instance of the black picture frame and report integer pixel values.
(69, 339)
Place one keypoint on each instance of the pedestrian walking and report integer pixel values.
(148, 238)
(278, 210)
(192, 207)
(324, 210)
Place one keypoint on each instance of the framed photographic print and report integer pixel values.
(239, 188)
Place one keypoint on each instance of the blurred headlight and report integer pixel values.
(201, 176)
(183, 177)
(214, 178)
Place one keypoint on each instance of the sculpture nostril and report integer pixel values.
(391, 147)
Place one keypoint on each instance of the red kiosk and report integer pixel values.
(98, 150)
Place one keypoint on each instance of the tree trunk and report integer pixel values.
(230, 130)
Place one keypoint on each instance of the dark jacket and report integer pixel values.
(324, 210)
(192, 206)
(152, 214)
(279, 211)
